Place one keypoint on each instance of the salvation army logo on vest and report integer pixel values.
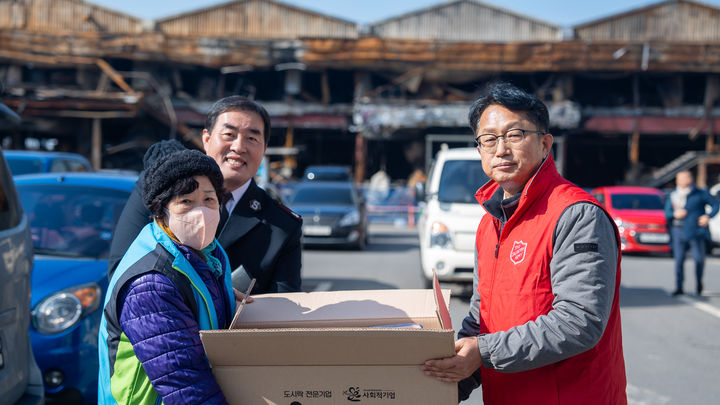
(517, 254)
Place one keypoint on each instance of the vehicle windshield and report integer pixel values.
(319, 195)
(73, 221)
(327, 175)
(460, 180)
(636, 202)
(24, 166)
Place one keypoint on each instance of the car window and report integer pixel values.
(317, 195)
(76, 166)
(9, 211)
(72, 220)
(59, 165)
(20, 166)
(460, 180)
(636, 202)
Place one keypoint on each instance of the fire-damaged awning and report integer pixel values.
(283, 115)
(381, 120)
(649, 125)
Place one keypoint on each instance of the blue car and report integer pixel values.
(72, 218)
(327, 173)
(28, 162)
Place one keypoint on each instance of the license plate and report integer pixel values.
(316, 230)
(654, 238)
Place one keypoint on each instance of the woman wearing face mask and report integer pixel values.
(173, 281)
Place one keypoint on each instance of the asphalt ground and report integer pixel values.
(671, 344)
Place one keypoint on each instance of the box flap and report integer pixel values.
(442, 308)
(343, 309)
(342, 346)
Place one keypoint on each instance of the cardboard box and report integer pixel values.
(326, 348)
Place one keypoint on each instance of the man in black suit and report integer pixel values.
(260, 235)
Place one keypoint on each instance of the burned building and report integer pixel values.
(106, 87)
(630, 92)
(418, 73)
(651, 114)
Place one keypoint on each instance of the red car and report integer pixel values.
(639, 214)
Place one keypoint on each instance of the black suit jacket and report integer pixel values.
(263, 236)
(265, 240)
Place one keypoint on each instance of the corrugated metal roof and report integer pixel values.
(466, 20)
(266, 19)
(65, 16)
(672, 20)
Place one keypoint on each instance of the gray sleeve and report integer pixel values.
(582, 273)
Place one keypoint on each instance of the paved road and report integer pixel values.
(672, 349)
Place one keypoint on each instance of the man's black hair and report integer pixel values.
(238, 103)
(513, 98)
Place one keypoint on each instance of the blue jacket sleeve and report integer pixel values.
(166, 340)
(713, 203)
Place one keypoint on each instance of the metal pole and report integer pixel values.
(96, 143)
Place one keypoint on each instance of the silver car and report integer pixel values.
(20, 380)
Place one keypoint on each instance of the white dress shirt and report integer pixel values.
(236, 196)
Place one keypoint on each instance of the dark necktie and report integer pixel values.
(223, 219)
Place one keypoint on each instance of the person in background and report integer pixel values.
(687, 219)
(544, 322)
(173, 282)
(260, 235)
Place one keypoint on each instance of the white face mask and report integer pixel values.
(195, 228)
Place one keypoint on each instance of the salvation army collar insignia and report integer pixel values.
(255, 205)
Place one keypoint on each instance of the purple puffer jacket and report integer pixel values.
(165, 334)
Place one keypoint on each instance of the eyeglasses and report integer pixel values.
(513, 136)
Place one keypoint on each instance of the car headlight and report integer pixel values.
(351, 218)
(65, 308)
(622, 224)
(440, 236)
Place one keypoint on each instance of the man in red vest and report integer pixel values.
(544, 322)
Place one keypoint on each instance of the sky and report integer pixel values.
(560, 12)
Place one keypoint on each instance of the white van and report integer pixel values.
(449, 220)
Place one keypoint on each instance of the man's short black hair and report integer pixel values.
(513, 98)
(238, 103)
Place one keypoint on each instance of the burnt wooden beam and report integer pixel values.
(114, 76)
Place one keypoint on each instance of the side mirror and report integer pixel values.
(420, 191)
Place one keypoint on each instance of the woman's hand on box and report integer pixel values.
(453, 369)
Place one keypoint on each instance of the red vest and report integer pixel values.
(515, 288)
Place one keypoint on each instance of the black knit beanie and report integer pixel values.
(160, 150)
(167, 170)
